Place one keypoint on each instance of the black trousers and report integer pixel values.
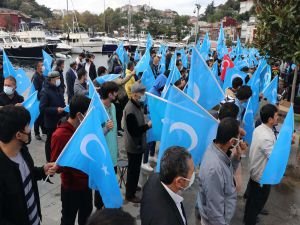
(74, 202)
(120, 105)
(256, 200)
(98, 202)
(150, 148)
(39, 123)
(133, 173)
(49, 132)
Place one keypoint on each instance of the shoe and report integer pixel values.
(138, 188)
(38, 137)
(147, 167)
(133, 199)
(264, 212)
(152, 159)
(120, 134)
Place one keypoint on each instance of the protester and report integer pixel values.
(38, 81)
(262, 144)
(52, 105)
(129, 72)
(242, 96)
(111, 217)
(237, 82)
(10, 96)
(90, 67)
(71, 76)
(115, 63)
(101, 71)
(76, 196)
(179, 64)
(159, 84)
(108, 93)
(1, 77)
(162, 201)
(60, 65)
(217, 193)
(81, 86)
(79, 60)
(19, 196)
(135, 138)
(155, 66)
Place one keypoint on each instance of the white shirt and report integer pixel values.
(177, 199)
(74, 71)
(262, 144)
(87, 68)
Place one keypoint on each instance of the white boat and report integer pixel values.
(61, 48)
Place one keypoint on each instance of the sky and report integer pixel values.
(183, 7)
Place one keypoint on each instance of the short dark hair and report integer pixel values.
(82, 54)
(107, 88)
(178, 62)
(73, 64)
(130, 64)
(267, 111)
(111, 217)
(12, 119)
(174, 162)
(79, 103)
(228, 128)
(101, 70)
(237, 82)
(82, 72)
(244, 93)
(60, 62)
(37, 64)
(228, 109)
(11, 78)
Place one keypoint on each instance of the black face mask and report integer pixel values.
(29, 138)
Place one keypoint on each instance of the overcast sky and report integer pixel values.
(183, 7)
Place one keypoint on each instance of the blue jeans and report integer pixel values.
(150, 148)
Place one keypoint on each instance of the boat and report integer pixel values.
(14, 48)
(109, 44)
(61, 48)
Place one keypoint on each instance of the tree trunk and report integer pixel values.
(294, 84)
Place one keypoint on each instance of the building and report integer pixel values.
(248, 30)
(245, 6)
(10, 20)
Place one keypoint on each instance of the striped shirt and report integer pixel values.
(28, 190)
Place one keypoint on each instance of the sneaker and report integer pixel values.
(147, 167)
(152, 159)
(38, 137)
(133, 199)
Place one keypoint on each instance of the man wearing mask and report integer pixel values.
(90, 67)
(10, 96)
(162, 201)
(1, 77)
(19, 196)
(155, 66)
(38, 81)
(60, 65)
(52, 105)
(71, 76)
(217, 195)
(80, 86)
(76, 196)
(135, 138)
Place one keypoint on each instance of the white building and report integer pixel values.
(245, 6)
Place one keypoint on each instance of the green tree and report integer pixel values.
(278, 30)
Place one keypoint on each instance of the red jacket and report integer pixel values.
(71, 179)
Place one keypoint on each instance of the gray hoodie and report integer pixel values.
(79, 89)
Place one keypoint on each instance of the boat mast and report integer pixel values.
(104, 17)
(129, 18)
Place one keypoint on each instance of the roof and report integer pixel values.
(16, 12)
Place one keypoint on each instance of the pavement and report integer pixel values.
(283, 203)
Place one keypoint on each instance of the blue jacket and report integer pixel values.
(158, 85)
(51, 99)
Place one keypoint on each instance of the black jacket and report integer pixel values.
(38, 81)
(51, 99)
(1, 80)
(92, 71)
(13, 207)
(157, 206)
(5, 100)
(70, 79)
(62, 80)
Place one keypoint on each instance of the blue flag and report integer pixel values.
(149, 42)
(238, 49)
(221, 45)
(279, 157)
(184, 58)
(205, 47)
(107, 77)
(87, 151)
(203, 86)
(232, 73)
(32, 105)
(136, 55)
(147, 78)
(240, 63)
(180, 128)
(23, 82)
(270, 92)
(47, 62)
(67, 109)
(162, 63)
(8, 69)
(121, 52)
(157, 107)
(172, 78)
(31, 90)
(142, 65)
(267, 76)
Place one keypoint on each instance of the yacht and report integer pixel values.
(109, 44)
(61, 48)
(17, 49)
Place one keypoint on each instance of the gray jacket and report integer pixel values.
(217, 192)
(79, 89)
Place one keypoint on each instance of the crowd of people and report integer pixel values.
(124, 101)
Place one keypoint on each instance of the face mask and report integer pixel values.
(57, 83)
(8, 90)
(82, 116)
(143, 98)
(191, 181)
(29, 138)
(237, 142)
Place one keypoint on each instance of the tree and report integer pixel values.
(278, 31)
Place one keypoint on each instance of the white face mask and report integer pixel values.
(57, 83)
(237, 142)
(191, 181)
(143, 98)
(8, 90)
